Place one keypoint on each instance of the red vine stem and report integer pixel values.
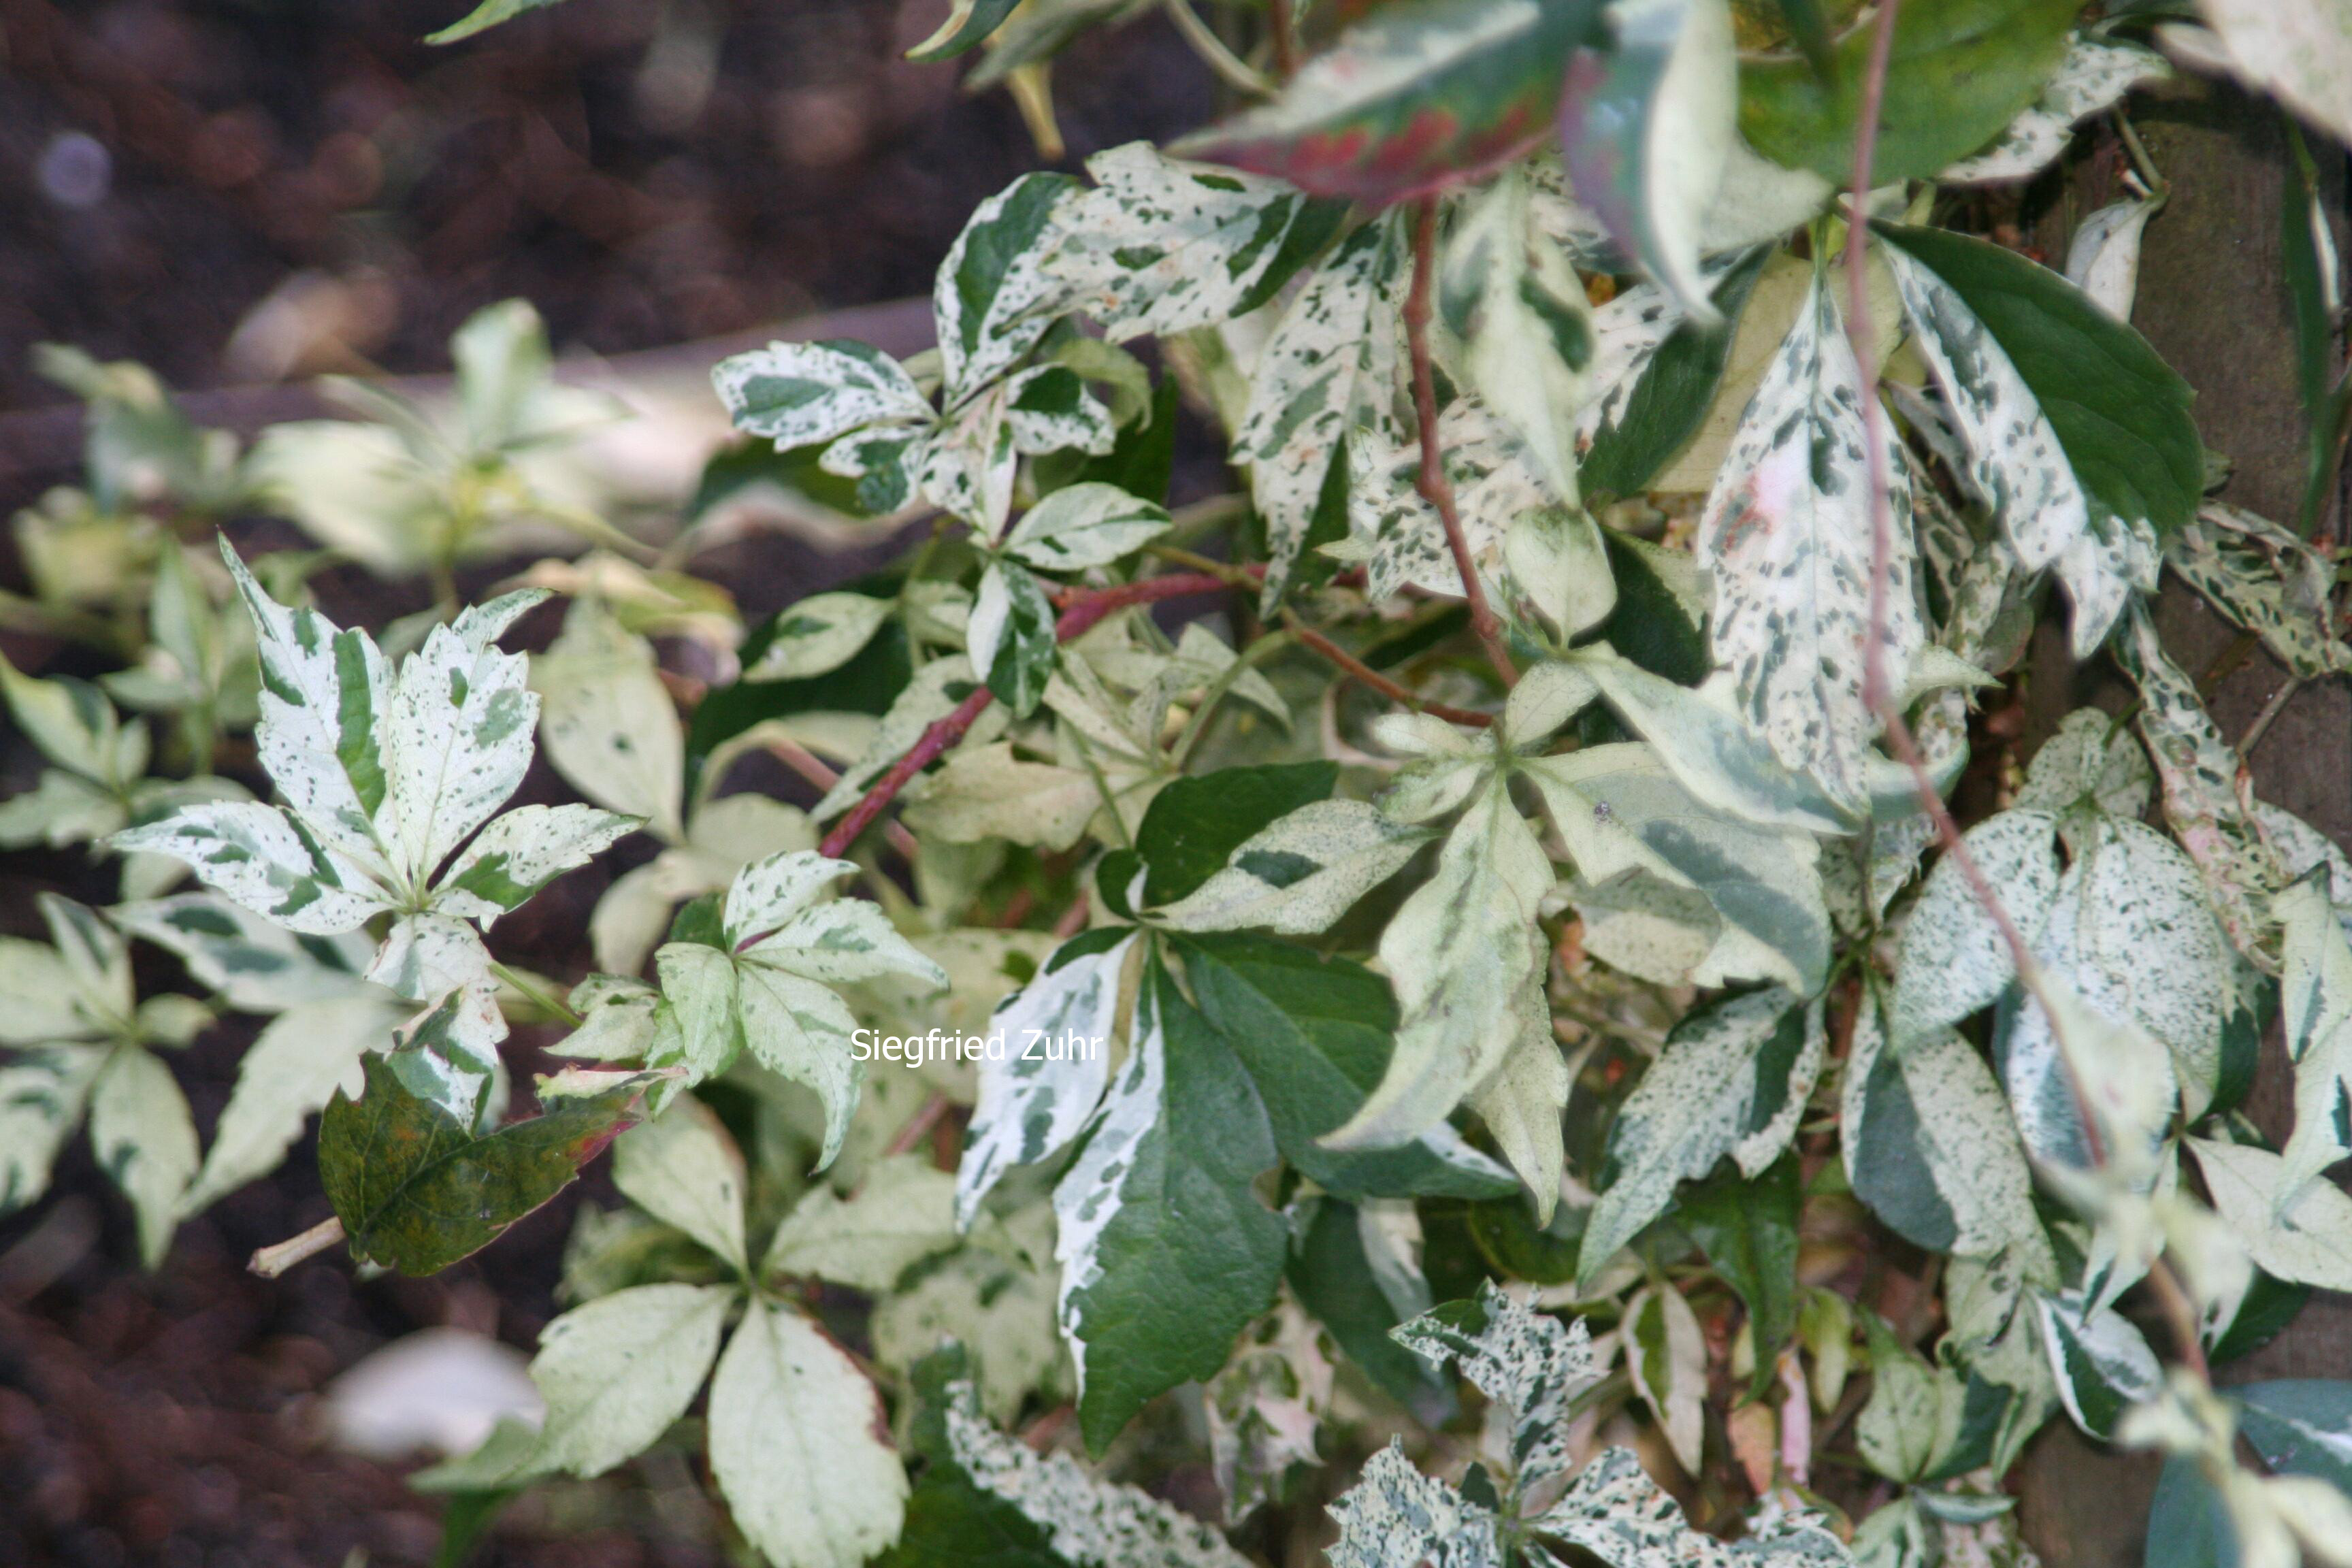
(1358, 670)
(1876, 692)
(1082, 615)
(1434, 487)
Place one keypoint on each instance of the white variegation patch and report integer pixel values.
(2103, 258)
(1522, 1359)
(1089, 1522)
(1954, 959)
(1032, 1103)
(1299, 873)
(806, 394)
(2094, 74)
(1092, 1191)
(2014, 460)
(2099, 1361)
(1330, 365)
(1733, 1079)
(1785, 543)
(1084, 525)
(993, 299)
(1394, 1514)
(2315, 1006)
(2302, 1235)
(619, 1372)
(1527, 327)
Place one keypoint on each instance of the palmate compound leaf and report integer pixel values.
(1732, 1081)
(1165, 1249)
(2057, 402)
(1786, 544)
(1160, 245)
(787, 943)
(1327, 376)
(416, 1187)
(1961, 71)
(383, 780)
(1417, 96)
(798, 1445)
(1525, 1361)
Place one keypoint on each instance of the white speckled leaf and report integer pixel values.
(619, 1372)
(1030, 1106)
(2207, 800)
(1526, 327)
(2316, 1014)
(2091, 761)
(1331, 363)
(2094, 74)
(1161, 246)
(1089, 1522)
(2101, 570)
(1953, 959)
(289, 1073)
(2305, 1237)
(1397, 537)
(1786, 543)
(797, 1446)
(1395, 1517)
(2266, 581)
(457, 737)
(1300, 873)
(682, 1168)
(993, 299)
(261, 856)
(2015, 461)
(521, 852)
(800, 394)
(1084, 525)
(798, 1028)
(820, 633)
(1460, 951)
(1517, 1357)
(1733, 1079)
(1093, 1190)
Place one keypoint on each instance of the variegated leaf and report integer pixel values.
(1785, 543)
(1084, 525)
(994, 298)
(2101, 1362)
(820, 633)
(1032, 1103)
(2302, 1235)
(607, 723)
(1666, 1354)
(1733, 1080)
(254, 964)
(523, 851)
(618, 1373)
(1521, 1359)
(1299, 873)
(1010, 638)
(2206, 790)
(145, 1140)
(43, 1094)
(2266, 581)
(1394, 1515)
(2092, 762)
(262, 857)
(1087, 1521)
(804, 395)
(1461, 951)
(1161, 246)
(2094, 74)
(1397, 535)
(2015, 462)
(457, 736)
(2316, 1005)
(1954, 958)
(1330, 364)
(2103, 257)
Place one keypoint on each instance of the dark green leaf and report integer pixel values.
(1192, 1254)
(1315, 1035)
(1961, 70)
(1670, 401)
(1195, 824)
(1142, 459)
(869, 683)
(417, 1190)
(2268, 1305)
(1424, 92)
(2120, 412)
(2188, 1523)
(1334, 1281)
(1114, 874)
(1651, 625)
(949, 1522)
(735, 468)
(1025, 658)
(1891, 1171)
(2301, 1425)
(1508, 1237)
(1749, 1232)
(1809, 29)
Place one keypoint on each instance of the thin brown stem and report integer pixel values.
(2263, 720)
(1284, 26)
(1365, 675)
(272, 1261)
(1876, 692)
(1434, 487)
(918, 1125)
(813, 768)
(2180, 1316)
(1082, 615)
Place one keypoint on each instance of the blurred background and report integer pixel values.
(239, 195)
